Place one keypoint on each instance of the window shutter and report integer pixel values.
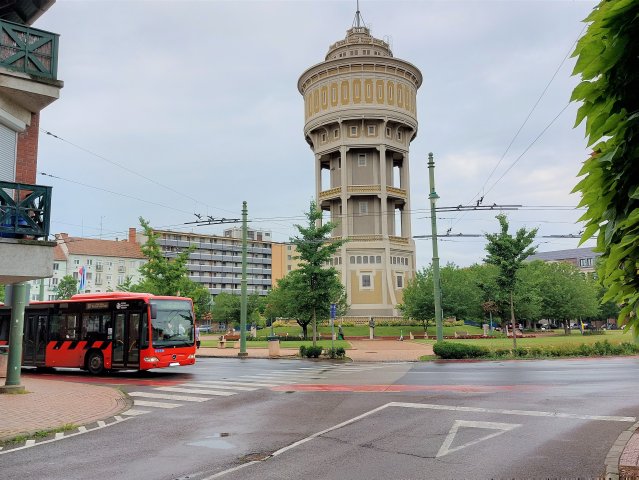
(8, 140)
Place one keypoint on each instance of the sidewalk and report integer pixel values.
(51, 404)
(360, 351)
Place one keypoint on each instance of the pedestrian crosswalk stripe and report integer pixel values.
(166, 396)
(254, 384)
(133, 412)
(217, 385)
(268, 379)
(196, 391)
(101, 423)
(146, 403)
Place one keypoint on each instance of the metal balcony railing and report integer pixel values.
(29, 50)
(25, 210)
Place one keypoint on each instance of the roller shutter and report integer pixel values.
(8, 140)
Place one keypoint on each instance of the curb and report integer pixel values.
(614, 455)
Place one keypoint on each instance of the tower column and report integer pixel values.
(384, 195)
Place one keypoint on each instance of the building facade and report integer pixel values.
(582, 258)
(28, 84)
(105, 264)
(360, 117)
(216, 262)
(283, 260)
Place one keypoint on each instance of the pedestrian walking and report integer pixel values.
(197, 336)
(340, 333)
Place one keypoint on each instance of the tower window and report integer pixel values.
(388, 132)
(323, 137)
(366, 280)
(361, 160)
(353, 131)
(352, 259)
(363, 208)
(400, 281)
(336, 133)
(371, 129)
(399, 134)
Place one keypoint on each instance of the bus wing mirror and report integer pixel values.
(154, 312)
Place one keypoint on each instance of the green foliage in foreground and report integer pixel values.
(607, 62)
(458, 350)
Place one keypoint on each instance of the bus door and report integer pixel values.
(35, 340)
(126, 340)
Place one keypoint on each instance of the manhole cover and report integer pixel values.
(255, 457)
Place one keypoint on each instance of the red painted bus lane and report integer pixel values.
(406, 388)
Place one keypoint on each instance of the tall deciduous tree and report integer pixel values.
(319, 283)
(162, 276)
(508, 253)
(67, 287)
(607, 62)
(227, 307)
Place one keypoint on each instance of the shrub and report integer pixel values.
(501, 352)
(310, 351)
(459, 350)
(537, 352)
(520, 352)
(338, 352)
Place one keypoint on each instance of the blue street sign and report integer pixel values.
(333, 310)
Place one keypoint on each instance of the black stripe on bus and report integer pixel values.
(89, 344)
(105, 345)
(73, 344)
(58, 345)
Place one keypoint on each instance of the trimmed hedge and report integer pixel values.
(456, 350)
(310, 351)
(459, 350)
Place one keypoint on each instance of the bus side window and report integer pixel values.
(55, 322)
(4, 328)
(144, 333)
(72, 327)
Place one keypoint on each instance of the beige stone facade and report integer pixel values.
(360, 117)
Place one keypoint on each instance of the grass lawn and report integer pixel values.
(288, 344)
(362, 331)
(613, 336)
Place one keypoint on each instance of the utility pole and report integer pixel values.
(433, 197)
(243, 301)
(16, 332)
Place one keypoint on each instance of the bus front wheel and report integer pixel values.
(95, 363)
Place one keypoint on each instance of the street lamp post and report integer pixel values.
(243, 301)
(433, 197)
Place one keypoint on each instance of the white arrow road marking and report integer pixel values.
(501, 427)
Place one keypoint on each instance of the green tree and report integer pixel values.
(227, 308)
(66, 288)
(418, 298)
(162, 276)
(319, 283)
(290, 299)
(1, 293)
(607, 62)
(508, 253)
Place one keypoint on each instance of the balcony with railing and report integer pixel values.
(29, 50)
(25, 212)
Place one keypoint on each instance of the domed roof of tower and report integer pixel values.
(359, 42)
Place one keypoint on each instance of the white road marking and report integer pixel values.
(166, 396)
(501, 427)
(267, 379)
(60, 435)
(82, 429)
(101, 423)
(527, 413)
(118, 419)
(146, 403)
(243, 384)
(234, 469)
(217, 385)
(134, 412)
(196, 391)
(29, 443)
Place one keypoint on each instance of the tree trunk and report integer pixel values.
(512, 322)
(314, 329)
(305, 330)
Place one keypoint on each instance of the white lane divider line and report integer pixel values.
(242, 384)
(60, 435)
(166, 396)
(196, 391)
(29, 443)
(146, 403)
(221, 387)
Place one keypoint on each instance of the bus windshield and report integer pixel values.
(173, 326)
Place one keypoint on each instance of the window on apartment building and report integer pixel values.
(53, 281)
(51, 297)
(76, 261)
(366, 280)
(290, 257)
(361, 159)
(56, 266)
(289, 268)
(586, 262)
(89, 261)
(75, 275)
(108, 278)
(120, 279)
(89, 276)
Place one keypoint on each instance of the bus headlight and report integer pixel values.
(192, 356)
(151, 359)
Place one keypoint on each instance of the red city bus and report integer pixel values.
(107, 331)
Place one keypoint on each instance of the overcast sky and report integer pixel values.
(192, 107)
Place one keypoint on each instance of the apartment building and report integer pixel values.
(97, 265)
(582, 258)
(216, 262)
(283, 260)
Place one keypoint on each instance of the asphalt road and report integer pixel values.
(297, 419)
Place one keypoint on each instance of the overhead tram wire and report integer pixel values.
(123, 167)
(492, 172)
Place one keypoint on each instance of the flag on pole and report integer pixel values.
(83, 278)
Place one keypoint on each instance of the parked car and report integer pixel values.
(206, 329)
